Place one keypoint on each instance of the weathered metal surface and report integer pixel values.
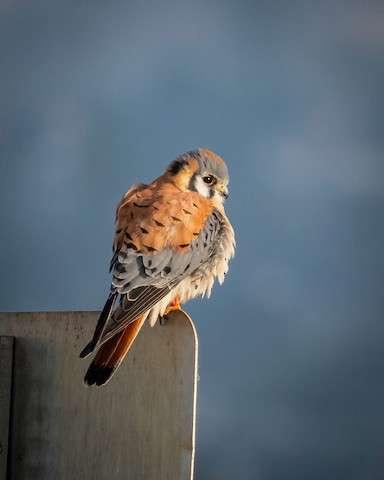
(138, 426)
(6, 360)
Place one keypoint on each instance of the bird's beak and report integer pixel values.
(223, 190)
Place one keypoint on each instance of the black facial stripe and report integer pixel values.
(176, 166)
(192, 183)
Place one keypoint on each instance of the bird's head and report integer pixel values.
(201, 171)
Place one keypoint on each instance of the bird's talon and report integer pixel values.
(173, 306)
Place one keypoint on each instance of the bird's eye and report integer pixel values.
(209, 179)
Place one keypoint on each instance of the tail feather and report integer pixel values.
(112, 353)
(104, 317)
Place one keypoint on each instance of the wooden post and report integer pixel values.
(141, 425)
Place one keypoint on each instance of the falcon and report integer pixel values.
(172, 240)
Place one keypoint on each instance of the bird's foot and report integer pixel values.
(174, 305)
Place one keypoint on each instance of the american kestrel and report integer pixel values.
(172, 240)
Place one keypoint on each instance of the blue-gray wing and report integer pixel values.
(140, 280)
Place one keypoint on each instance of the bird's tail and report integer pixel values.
(101, 324)
(111, 354)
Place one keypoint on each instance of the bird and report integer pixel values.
(172, 241)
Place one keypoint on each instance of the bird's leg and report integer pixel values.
(174, 305)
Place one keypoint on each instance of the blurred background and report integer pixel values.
(96, 96)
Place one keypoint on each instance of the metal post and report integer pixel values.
(6, 360)
(141, 425)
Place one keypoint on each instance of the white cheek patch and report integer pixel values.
(202, 187)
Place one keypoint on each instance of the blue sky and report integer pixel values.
(96, 97)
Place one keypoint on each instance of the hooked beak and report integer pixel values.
(223, 190)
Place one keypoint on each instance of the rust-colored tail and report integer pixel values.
(112, 353)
